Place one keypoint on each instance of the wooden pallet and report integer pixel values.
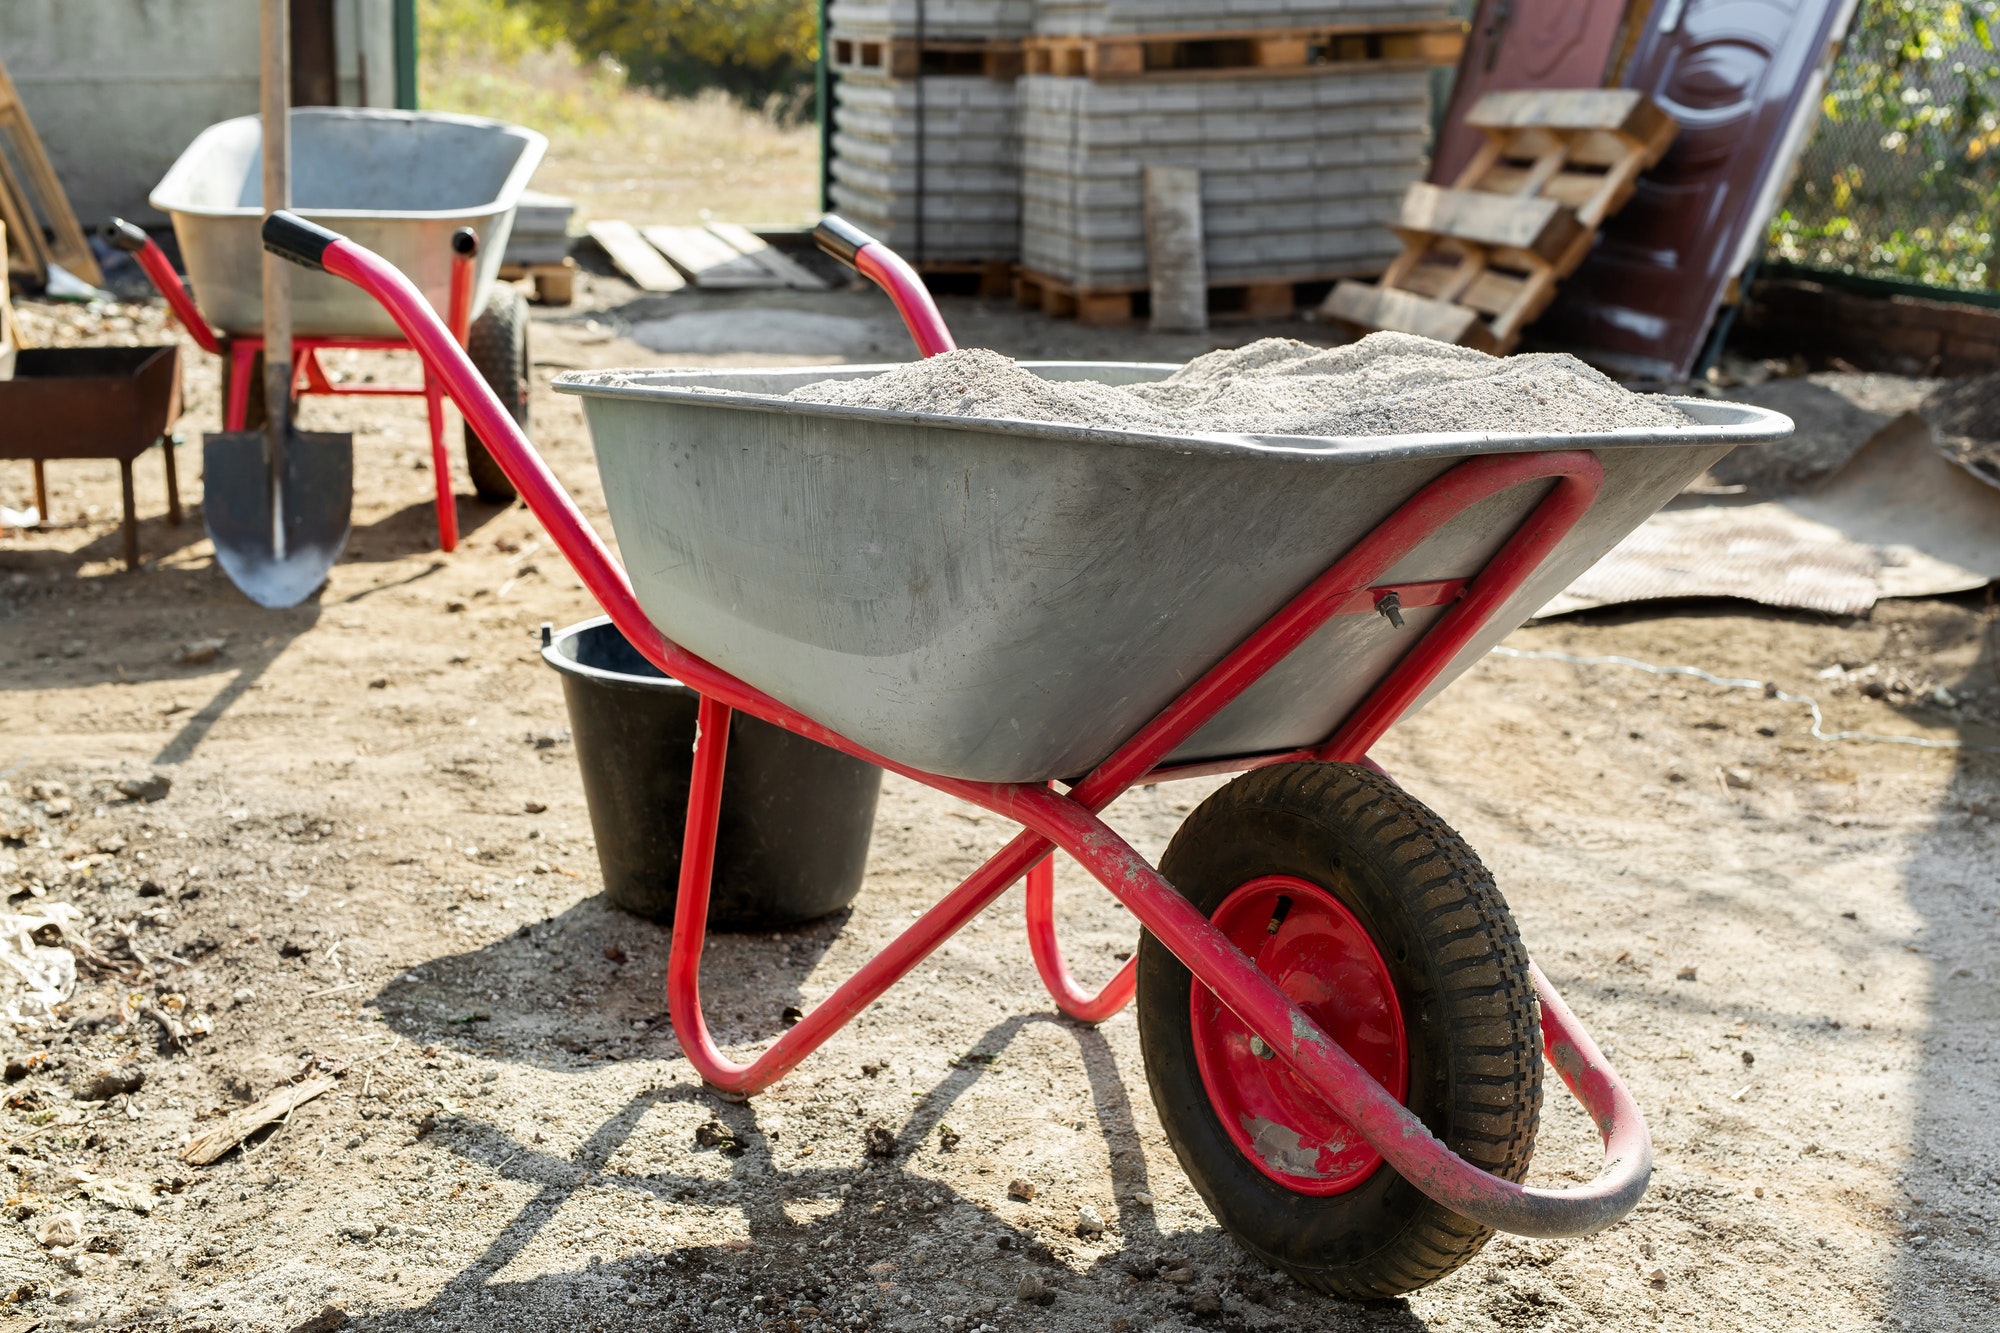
(1481, 259)
(555, 284)
(1274, 298)
(33, 204)
(992, 279)
(907, 57)
(1301, 50)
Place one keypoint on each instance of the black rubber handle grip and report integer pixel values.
(841, 238)
(122, 235)
(465, 242)
(289, 236)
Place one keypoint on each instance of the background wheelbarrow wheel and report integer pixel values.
(498, 346)
(1382, 923)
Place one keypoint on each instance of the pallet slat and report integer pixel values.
(746, 242)
(1238, 299)
(1541, 226)
(635, 259)
(1406, 312)
(708, 260)
(1612, 111)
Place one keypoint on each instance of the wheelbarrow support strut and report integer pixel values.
(1068, 821)
(311, 378)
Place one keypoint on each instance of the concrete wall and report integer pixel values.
(117, 88)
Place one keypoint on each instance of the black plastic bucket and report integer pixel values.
(796, 816)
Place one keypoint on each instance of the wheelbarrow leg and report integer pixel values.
(42, 491)
(131, 524)
(447, 503)
(1069, 997)
(242, 357)
(173, 480)
(711, 751)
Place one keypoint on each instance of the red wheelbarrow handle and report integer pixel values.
(873, 260)
(122, 235)
(1051, 819)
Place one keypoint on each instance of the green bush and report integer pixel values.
(1900, 178)
(762, 51)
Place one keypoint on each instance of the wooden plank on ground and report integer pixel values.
(1540, 226)
(1369, 307)
(1176, 258)
(634, 258)
(708, 260)
(747, 242)
(210, 1147)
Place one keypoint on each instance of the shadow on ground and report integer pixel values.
(876, 1245)
(1947, 1214)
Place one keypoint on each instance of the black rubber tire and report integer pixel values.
(498, 345)
(1469, 1009)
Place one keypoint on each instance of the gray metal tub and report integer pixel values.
(1008, 601)
(398, 182)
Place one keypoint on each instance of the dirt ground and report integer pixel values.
(374, 858)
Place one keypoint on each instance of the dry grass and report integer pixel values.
(619, 152)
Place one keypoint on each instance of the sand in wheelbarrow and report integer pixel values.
(1385, 384)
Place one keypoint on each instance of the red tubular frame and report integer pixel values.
(1069, 821)
(310, 376)
(889, 271)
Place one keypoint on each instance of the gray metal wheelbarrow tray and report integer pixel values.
(1009, 601)
(399, 182)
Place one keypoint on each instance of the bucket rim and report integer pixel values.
(569, 666)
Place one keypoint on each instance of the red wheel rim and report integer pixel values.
(1321, 957)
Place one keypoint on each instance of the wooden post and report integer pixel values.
(1176, 264)
(277, 124)
(41, 491)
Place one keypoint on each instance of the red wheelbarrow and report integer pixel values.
(1341, 1027)
(242, 354)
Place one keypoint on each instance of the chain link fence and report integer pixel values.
(1901, 179)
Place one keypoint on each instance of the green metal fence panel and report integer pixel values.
(1901, 179)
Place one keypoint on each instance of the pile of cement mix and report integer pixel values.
(1385, 384)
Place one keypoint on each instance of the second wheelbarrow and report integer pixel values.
(1341, 1026)
(433, 192)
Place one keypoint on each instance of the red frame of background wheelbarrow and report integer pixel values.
(311, 378)
(1069, 822)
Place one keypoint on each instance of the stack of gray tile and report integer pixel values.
(945, 148)
(1300, 173)
(932, 166)
(1301, 169)
(541, 229)
(940, 20)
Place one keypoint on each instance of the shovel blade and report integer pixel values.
(277, 543)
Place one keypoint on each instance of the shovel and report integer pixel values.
(277, 502)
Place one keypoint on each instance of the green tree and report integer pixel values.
(1902, 178)
(756, 49)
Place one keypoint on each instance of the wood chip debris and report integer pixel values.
(212, 1146)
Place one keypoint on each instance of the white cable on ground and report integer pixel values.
(1763, 687)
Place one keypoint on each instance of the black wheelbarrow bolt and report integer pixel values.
(1391, 607)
